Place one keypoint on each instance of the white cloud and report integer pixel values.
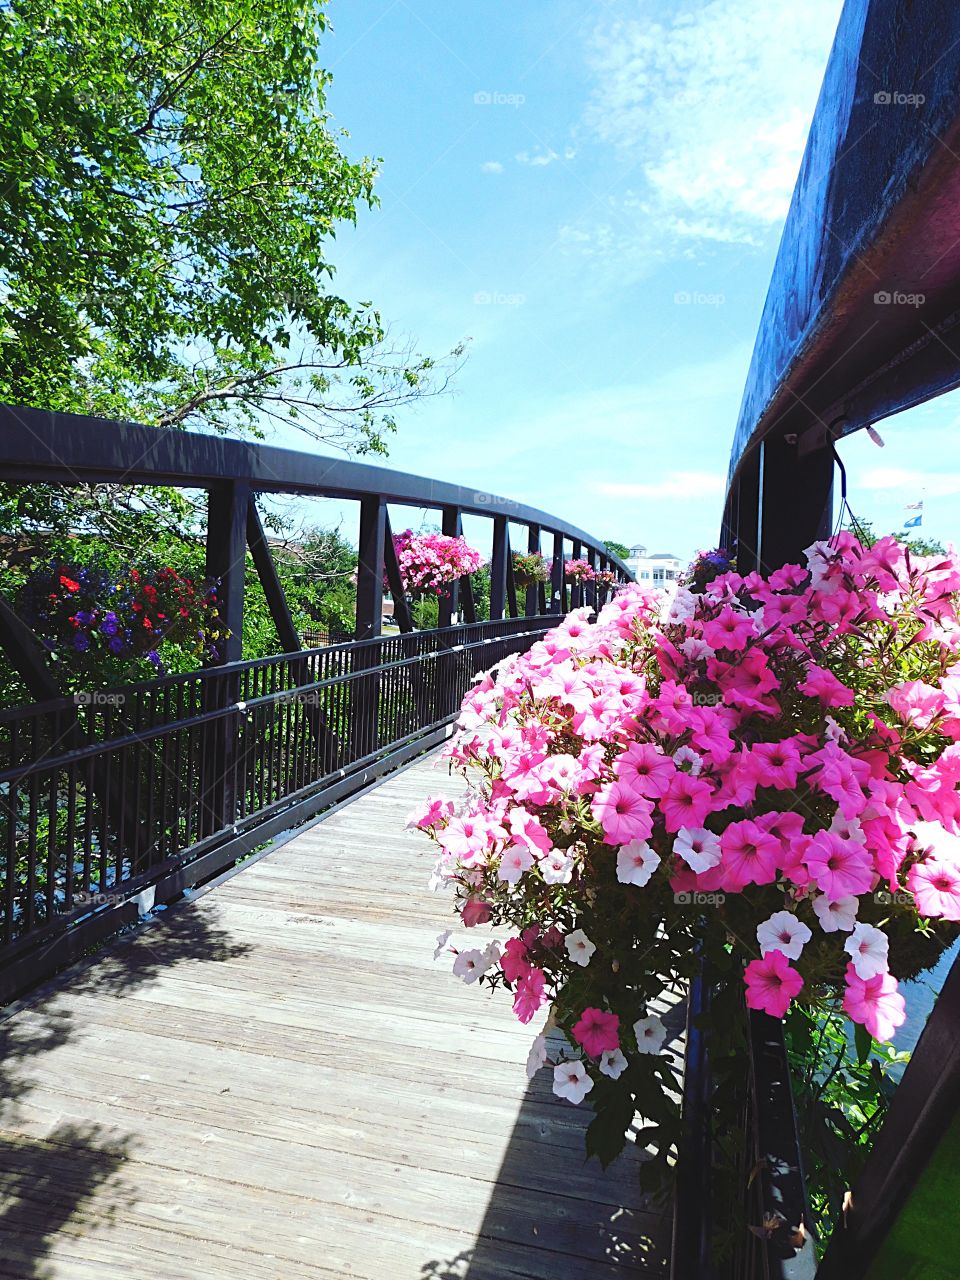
(678, 484)
(536, 158)
(710, 107)
(491, 166)
(913, 484)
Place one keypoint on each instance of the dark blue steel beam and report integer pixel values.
(41, 447)
(862, 317)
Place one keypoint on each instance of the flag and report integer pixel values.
(914, 506)
(913, 523)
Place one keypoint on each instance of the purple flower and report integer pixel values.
(81, 642)
(109, 624)
(154, 657)
(116, 644)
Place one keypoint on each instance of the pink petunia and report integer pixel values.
(749, 855)
(598, 1032)
(623, 813)
(839, 868)
(774, 764)
(513, 961)
(529, 995)
(645, 768)
(730, 630)
(875, 1002)
(474, 911)
(823, 684)
(916, 703)
(935, 883)
(686, 802)
(771, 984)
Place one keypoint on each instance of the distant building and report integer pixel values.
(659, 570)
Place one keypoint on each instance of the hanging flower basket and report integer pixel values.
(529, 570)
(767, 774)
(83, 613)
(578, 571)
(431, 562)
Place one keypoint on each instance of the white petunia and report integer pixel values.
(687, 755)
(868, 948)
(613, 1063)
(698, 847)
(442, 940)
(841, 914)
(514, 861)
(636, 863)
(491, 954)
(537, 1056)
(579, 947)
(469, 965)
(556, 867)
(571, 1081)
(848, 828)
(783, 932)
(650, 1033)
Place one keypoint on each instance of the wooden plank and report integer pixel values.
(278, 1080)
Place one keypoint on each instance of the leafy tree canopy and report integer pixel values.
(618, 549)
(171, 184)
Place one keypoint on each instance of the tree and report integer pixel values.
(617, 549)
(918, 545)
(170, 187)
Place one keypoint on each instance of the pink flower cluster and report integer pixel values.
(771, 763)
(578, 571)
(430, 562)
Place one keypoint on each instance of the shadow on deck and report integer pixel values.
(275, 1081)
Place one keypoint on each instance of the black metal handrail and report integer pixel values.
(183, 775)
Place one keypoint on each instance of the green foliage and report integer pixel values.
(919, 545)
(618, 549)
(842, 1089)
(170, 186)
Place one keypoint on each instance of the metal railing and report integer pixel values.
(161, 785)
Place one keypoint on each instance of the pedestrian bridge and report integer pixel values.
(275, 1080)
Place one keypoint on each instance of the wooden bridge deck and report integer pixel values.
(276, 1081)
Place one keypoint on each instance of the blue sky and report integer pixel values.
(592, 193)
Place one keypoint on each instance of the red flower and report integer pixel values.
(137, 607)
(147, 623)
(184, 613)
(69, 583)
(135, 575)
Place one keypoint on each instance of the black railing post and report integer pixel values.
(512, 606)
(401, 609)
(533, 592)
(228, 506)
(373, 524)
(451, 527)
(498, 568)
(576, 588)
(558, 581)
(796, 498)
(365, 690)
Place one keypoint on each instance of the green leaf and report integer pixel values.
(863, 1042)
